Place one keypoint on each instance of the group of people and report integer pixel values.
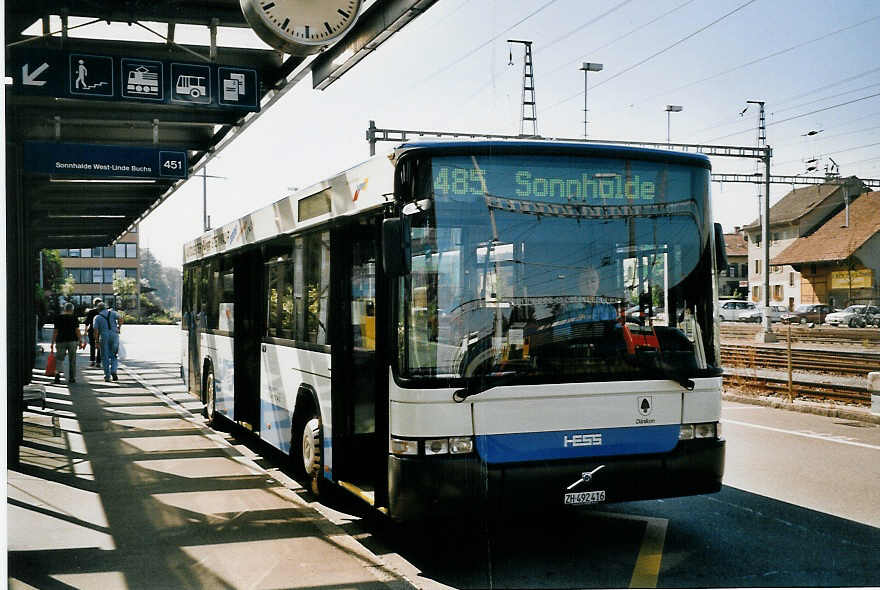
(102, 329)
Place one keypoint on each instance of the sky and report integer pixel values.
(813, 62)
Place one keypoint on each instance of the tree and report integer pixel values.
(165, 280)
(125, 290)
(46, 293)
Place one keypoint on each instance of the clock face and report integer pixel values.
(300, 27)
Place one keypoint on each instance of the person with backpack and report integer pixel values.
(94, 349)
(67, 336)
(106, 326)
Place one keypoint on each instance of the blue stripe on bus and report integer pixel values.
(275, 425)
(576, 444)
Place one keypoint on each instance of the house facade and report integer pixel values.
(798, 214)
(734, 281)
(840, 261)
(93, 270)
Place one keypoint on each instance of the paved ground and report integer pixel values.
(121, 487)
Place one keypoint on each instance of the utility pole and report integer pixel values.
(766, 335)
(588, 67)
(529, 112)
(206, 219)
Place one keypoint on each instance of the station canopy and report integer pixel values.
(101, 131)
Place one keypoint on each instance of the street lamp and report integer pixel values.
(670, 108)
(588, 67)
(206, 220)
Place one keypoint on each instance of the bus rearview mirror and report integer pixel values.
(395, 247)
(720, 249)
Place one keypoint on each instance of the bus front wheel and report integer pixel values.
(311, 453)
(209, 396)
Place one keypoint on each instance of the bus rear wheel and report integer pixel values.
(311, 453)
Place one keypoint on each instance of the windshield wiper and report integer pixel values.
(476, 385)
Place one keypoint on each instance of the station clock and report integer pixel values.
(300, 27)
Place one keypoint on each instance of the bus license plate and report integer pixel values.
(585, 497)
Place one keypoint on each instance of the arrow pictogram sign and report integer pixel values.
(30, 79)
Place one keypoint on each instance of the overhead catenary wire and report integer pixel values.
(538, 50)
(750, 130)
(656, 54)
(617, 38)
(764, 58)
(480, 46)
(736, 119)
(831, 153)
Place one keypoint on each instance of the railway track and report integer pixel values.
(824, 335)
(812, 390)
(812, 361)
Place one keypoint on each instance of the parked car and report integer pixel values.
(808, 312)
(855, 316)
(732, 311)
(774, 311)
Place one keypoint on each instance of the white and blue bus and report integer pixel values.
(503, 321)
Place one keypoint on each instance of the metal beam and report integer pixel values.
(265, 61)
(758, 178)
(20, 15)
(375, 134)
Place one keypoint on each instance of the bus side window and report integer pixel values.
(226, 307)
(316, 270)
(213, 294)
(186, 300)
(273, 299)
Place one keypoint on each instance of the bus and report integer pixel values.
(445, 326)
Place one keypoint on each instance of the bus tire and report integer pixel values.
(209, 397)
(311, 447)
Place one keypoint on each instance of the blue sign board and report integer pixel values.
(91, 75)
(237, 87)
(50, 72)
(81, 160)
(142, 79)
(191, 83)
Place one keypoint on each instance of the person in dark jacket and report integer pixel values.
(94, 349)
(68, 338)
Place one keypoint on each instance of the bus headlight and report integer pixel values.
(437, 446)
(460, 445)
(700, 430)
(455, 445)
(404, 447)
(704, 430)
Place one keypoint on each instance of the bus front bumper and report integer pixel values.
(433, 486)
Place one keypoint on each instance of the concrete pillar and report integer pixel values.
(874, 389)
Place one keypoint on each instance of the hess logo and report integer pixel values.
(582, 440)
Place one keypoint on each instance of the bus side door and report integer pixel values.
(359, 407)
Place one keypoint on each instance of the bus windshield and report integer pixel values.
(558, 268)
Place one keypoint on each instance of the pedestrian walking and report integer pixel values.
(67, 337)
(94, 349)
(106, 326)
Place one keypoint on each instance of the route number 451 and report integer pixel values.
(173, 164)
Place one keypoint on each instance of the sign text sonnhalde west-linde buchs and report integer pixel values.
(103, 167)
(80, 160)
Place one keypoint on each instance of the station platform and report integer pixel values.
(121, 485)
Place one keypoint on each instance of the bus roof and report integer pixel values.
(550, 147)
(367, 185)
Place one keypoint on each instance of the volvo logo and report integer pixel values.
(586, 477)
